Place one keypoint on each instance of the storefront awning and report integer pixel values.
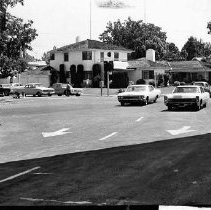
(122, 66)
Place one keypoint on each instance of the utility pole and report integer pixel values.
(108, 73)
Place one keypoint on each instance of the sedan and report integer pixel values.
(142, 94)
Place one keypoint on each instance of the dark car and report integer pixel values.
(61, 89)
(5, 89)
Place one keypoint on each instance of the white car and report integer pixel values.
(139, 93)
(35, 89)
(189, 95)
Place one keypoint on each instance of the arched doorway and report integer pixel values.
(80, 75)
(73, 75)
(62, 75)
(96, 75)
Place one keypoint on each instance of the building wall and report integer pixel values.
(75, 58)
(134, 75)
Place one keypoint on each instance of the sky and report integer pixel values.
(59, 22)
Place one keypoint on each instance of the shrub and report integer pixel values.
(140, 82)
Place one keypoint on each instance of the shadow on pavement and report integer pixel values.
(170, 172)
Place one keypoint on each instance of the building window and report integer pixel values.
(109, 54)
(52, 56)
(116, 56)
(151, 74)
(129, 57)
(101, 56)
(145, 75)
(87, 55)
(148, 74)
(66, 57)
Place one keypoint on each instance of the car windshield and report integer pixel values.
(185, 90)
(199, 83)
(38, 85)
(136, 88)
(6, 85)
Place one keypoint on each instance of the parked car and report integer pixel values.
(139, 93)
(189, 95)
(35, 89)
(61, 89)
(5, 89)
(205, 85)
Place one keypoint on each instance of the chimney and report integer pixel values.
(150, 55)
(77, 39)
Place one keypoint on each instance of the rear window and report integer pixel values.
(199, 84)
(186, 90)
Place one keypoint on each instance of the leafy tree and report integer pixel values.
(194, 48)
(46, 58)
(172, 53)
(136, 35)
(16, 37)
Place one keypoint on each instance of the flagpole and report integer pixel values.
(90, 23)
(145, 11)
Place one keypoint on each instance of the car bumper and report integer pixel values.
(182, 104)
(132, 100)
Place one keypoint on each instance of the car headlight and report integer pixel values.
(141, 97)
(165, 98)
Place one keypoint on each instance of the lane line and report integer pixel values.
(106, 137)
(66, 202)
(20, 174)
(139, 119)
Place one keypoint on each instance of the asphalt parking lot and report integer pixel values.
(90, 150)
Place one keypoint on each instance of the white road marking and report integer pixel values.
(20, 174)
(66, 202)
(106, 137)
(181, 208)
(42, 173)
(139, 119)
(56, 133)
(182, 130)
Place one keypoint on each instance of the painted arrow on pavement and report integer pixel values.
(182, 130)
(56, 133)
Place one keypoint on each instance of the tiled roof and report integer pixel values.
(144, 63)
(185, 65)
(90, 44)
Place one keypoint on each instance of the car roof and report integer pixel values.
(187, 86)
(138, 85)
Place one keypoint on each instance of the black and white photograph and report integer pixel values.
(105, 103)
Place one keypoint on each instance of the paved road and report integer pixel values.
(33, 127)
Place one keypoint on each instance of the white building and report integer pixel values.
(84, 61)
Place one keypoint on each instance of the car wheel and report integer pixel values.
(198, 107)
(205, 105)
(39, 94)
(146, 101)
(6, 93)
(59, 94)
(78, 94)
(122, 103)
(170, 107)
(156, 98)
(49, 94)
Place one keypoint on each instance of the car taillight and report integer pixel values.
(165, 98)
(197, 98)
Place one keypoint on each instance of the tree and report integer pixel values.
(16, 37)
(137, 36)
(194, 48)
(172, 53)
